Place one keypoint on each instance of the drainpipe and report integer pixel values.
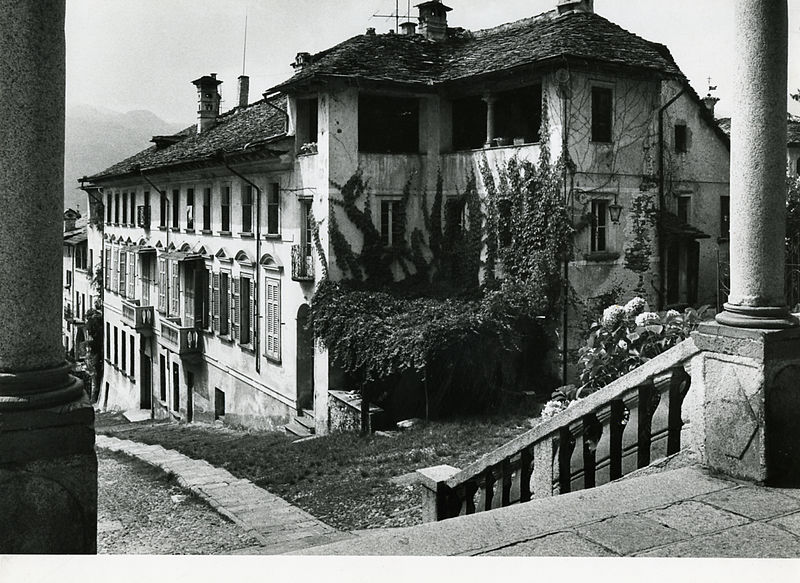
(153, 348)
(661, 200)
(256, 335)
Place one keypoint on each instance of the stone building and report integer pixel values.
(78, 293)
(210, 234)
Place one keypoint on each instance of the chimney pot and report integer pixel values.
(569, 6)
(370, 31)
(433, 20)
(244, 90)
(301, 60)
(208, 100)
(711, 103)
(409, 28)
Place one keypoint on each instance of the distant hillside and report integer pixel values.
(97, 138)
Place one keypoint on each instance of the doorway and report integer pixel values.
(305, 360)
(146, 384)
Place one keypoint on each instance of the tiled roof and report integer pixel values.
(248, 127)
(793, 128)
(412, 59)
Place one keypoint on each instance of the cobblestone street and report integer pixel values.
(141, 511)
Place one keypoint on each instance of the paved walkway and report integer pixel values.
(684, 512)
(278, 526)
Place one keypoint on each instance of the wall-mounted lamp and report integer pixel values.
(615, 210)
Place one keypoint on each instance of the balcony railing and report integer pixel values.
(302, 264)
(623, 427)
(185, 340)
(140, 317)
(143, 216)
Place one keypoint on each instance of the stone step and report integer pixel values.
(297, 429)
(307, 422)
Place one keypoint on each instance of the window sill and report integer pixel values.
(601, 256)
(225, 338)
(306, 154)
(224, 233)
(273, 236)
(246, 235)
(189, 231)
(175, 229)
(162, 228)
(248, 348)
(206, 232)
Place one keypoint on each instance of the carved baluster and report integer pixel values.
(648, 402)
(566, 447)
(525, 472)
(681, 382)
(616, 428)
(449, 501)
(602, 451)
(630, 434)
(544, 466)
(488, 488)
(470, 489)
(659, 426)
(505, 472)
(577, 463)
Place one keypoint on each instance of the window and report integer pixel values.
(146, 203)
(681, 138)
(147, 278)
(392, 222)
(469, 123)
(190, 209)
(115, 270)
(272, 304)
(122, 267)
(725, 217)
(162, 285)
(273, 209)
(124, 208)
(225, 209)
(247, 311)
(174, 289)
(133, 358)
(234, 308)
(108, 341)
(116, 346)
(602, 114)
(599, 225)
(206, 209)
(109, 207)
(306, 228)
(131, 275)
(162, 219)
(247, 209)
(107, 274)
(69, 279)
(219, 404)
(223, 312)
(124, 350)
(307, 122)
(176, 203)
(133, 208)
(685, 209)
(116, 208)
(388, 124)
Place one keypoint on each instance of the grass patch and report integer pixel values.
(343, 479)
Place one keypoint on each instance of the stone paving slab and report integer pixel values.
(754, 540)
(275, 523)
(627, 534)
(553, 545)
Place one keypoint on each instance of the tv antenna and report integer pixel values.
(396, 14)
(244, 47)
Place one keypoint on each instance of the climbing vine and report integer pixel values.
(638, 250)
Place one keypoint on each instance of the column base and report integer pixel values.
(764, 318)
(744, 402)
(48, 480)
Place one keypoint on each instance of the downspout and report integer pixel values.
(154, 350)
(256, 333)
(661, 200)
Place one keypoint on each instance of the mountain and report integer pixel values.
(96, 138)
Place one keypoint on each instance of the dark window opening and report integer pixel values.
(469, 123)
(207, 209)
(124, 208)
(307, 123)
(681, 138)
(306, 227)
(109, 207)
(133, 208)
(176, 203)
(273, 209)
(518, 115)
(132, 341)
(176, 387)
(116, 208)
(602, 114)
(684, 208)
(225, 208)
(725, 217)
(162, 219)
(388, 125)
(247, 209)
(162, 377)
(219, 404)
(599, 225)
(190, 208)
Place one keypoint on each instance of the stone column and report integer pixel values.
(490, 100)
(48, 469)
(758, 168)
(744, 403)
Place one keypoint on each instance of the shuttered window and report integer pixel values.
(122, 268)
(131, 275)
(272, 313)
(215, 302)
(162, 285)
(115, 270)
(174, 290)
(107, 274)
(253, 312)
(234, 311)
(245, 311)
(224, 282)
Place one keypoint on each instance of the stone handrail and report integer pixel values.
(610, 433)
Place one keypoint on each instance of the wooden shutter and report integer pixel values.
(174, 290)
(122, 269)
(115, 270)
(224, 310)
(162, 285)
(107, 274)
(272, 296)
(131, 275)
(235, 291)
(215, 302)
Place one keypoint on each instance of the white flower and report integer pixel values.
(552, 408)
(612, 317)
(671, 314)
(635, 307)
(646, 318)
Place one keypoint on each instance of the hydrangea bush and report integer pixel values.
(625, 338)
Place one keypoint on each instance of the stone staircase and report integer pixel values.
(302, 425)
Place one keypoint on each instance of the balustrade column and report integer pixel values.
(491, 101)
(758, 168)
(47, 464)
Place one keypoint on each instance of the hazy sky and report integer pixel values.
(143, 54)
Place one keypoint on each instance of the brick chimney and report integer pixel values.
(433, 20)
(244, 90)
(70, 216)
(409, 28)
(208, 99)
(569, 6)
